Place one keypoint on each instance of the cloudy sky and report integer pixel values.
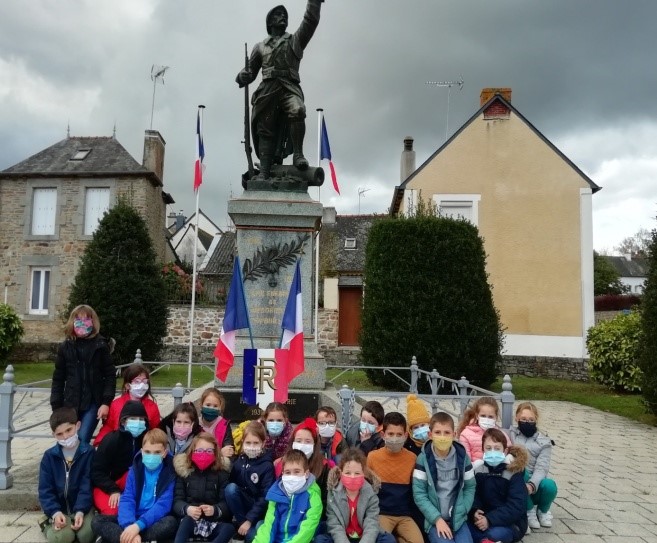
(582, 71)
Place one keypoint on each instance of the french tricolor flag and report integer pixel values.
(260, 365)
(200, 153)
(325, 153)
(292, 338)
(235, 318)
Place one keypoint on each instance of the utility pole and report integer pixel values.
(449, 85)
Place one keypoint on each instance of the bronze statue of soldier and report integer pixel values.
(278, 118)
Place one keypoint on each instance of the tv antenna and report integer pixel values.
(449, 85)
(361, 194)
(157, 72)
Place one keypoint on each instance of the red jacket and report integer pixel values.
(112, 421)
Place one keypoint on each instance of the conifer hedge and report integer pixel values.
(427, 295)
(120, 278)
(648, 345)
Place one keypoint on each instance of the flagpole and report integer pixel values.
(191, 315)
(319, 161)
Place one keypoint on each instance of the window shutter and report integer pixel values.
(44, 209)
(95, 205)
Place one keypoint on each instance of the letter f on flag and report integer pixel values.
(235, 318)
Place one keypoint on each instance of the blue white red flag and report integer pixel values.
(265, 376)
(292, 325)
(235, 318)
(325, 153)
(200, 153)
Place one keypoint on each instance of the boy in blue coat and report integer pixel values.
(65, 482)
(145, 504)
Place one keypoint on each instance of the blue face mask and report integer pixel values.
(494, 458)
(135, 427)
(421, 433)
(275, 428)
(151, 461)
(367, 427)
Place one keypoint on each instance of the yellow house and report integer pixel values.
(532, 206)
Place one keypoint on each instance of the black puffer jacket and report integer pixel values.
(196, 487)
(113, 458)
(71, 374)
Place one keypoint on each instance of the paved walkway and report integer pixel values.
(604, 466)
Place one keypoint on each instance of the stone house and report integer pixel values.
(183, 237)
(50, 205)
(533, 208)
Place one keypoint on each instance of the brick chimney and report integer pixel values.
(407, 159)
(489, 92)
(154, 153)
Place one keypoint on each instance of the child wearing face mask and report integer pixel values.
(200, 493)
(251, 477)
(279, 429)
(418, 424)
(444, 484)
(394, 466)
(295, 504)
(330, 437)
(145, 506)
(353, 505)
(542, 490)
(136, 387)
(84, 377)
(479, 417)
(499, 509)
(114, 457)
(366, 433)
(180, 427)
(214, 423)
(65, 482)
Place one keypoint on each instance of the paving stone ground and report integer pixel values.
(604, 466)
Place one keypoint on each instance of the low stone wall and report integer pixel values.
(541, 366)
(327, 323)
(605, 315)
(207, 326)
(341, 356)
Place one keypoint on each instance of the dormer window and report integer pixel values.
(350, 243)
(81, 154)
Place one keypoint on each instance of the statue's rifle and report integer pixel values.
(247, 120)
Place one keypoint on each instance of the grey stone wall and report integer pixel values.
(327, 323)
(540, 366)
(605, 315)
(207, 326)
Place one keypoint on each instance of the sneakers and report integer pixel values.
(532, 519)
(529, 530)
(489, 541)
(545, 519)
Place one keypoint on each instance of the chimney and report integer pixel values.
(489, 92)
(154, 153)
(328, 215)
(628, 257)
(407, 159)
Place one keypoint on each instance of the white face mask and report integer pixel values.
(327, 431)
(305, 448)
(138, 390)
(252, 452)
(69, 442)
(485, 423)
(293, 483)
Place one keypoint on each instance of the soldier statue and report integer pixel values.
(278, 118)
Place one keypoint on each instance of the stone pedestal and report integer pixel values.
(273, 230)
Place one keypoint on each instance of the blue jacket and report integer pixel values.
(63, 488)
(131, 497)
(254, 477)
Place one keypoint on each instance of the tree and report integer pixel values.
(11, 330)
(606, 279)
(120, 278)
(648, 343)
(636, 245)
(427, 295)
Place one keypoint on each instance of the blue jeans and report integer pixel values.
(240, 503)
(462, 535)
(383, 537)
(221, 534)
(495, 533)
(88, 423)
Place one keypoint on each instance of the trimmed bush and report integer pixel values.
(11, 330)
(427, 294)
(120, 279)
(614, 349)
(648, 350)
(616, 302)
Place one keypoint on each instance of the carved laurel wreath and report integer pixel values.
(269, 260)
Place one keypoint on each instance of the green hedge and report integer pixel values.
(648, 348)
(11, 330)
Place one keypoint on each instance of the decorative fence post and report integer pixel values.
(463, 393)
(508, 398)
(347, 399)
(414, 375)
(177, 392)
(7, 390)
(137, 359)
(433, 383)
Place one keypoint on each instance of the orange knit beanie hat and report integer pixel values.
(416, 411)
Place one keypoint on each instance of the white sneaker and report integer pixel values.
(545, 519)
(532, 520)
(529, 530)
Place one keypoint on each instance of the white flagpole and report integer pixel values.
(191, 311)
(319, 161)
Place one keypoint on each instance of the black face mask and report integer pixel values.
(528, 429)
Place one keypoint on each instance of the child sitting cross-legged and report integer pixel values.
(498, 511)
(295, 504)
(145, 504)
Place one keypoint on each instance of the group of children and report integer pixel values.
(190, 476)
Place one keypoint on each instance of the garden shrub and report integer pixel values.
(11, 330)
(614, 349)
(616, 302)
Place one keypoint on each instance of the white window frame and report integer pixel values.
(350, 244)
(462, 200)
(44, 293)
(93, 216)
(40, 195)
